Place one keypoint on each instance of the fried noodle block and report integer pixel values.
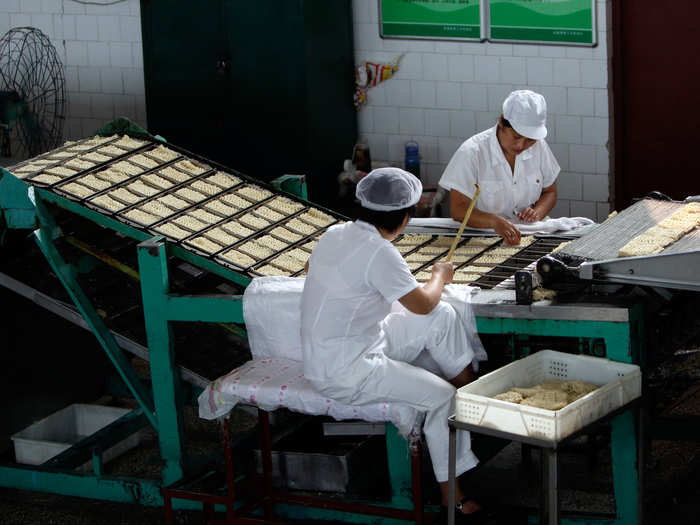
(223, 179)
(220, 236)
(285, 234)
(190, 167)
(173, 174)
(255, 193)
(172, 231)
(186, 221)
(143, 161)
(285, 205)
(219, 207)
(78, 190)
(205, 244)
(238, 258)
(190, 195)
(255, 249)
(129, 143)
(236, 228)
(413, 239)
(547, 399)
(79, 164)
(60, 171)
(317, 217)
(271, 270)
(272, 242)
(510, 396)
(140, 216)
(46, 179)
(162, 153)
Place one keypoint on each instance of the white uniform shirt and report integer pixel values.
(354, 276)
(480, 159)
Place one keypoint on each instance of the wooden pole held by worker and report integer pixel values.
(464, 223)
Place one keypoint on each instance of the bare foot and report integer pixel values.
(469, 507)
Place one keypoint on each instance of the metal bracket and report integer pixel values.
(45, 236)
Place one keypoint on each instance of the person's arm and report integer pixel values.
(481, 219)
(542, 207)
(422, 299)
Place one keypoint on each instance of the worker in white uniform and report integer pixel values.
(356, 351)
(513, 166)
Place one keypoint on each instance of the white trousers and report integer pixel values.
(409, 366)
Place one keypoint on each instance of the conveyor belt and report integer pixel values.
(481, 261)
(595, 256)
(604, 241)
(209, 209)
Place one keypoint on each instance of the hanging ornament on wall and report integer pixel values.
(368, 75)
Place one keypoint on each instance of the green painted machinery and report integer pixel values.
(614, 332)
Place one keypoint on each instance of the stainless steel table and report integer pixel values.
(549, 510)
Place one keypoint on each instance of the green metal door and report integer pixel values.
(262, 87)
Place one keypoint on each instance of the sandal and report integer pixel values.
(478, 517)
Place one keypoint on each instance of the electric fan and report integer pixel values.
(32, 97)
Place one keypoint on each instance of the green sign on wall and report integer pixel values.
(544, 21)
(433, 19)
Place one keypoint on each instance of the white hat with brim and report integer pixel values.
(527, 113)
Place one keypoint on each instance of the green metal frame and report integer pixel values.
(23, 207)
(623, 343)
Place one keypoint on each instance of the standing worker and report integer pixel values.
(356, 351)
(512, 164)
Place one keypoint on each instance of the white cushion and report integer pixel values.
(272, 315)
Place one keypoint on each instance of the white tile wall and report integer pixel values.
(446, 91)
(443, 92)
(102, 54)
(570, 186)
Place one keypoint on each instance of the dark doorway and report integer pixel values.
(656, 74)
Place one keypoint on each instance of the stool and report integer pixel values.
(267, 496)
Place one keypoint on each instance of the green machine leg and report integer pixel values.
(619, 339)
(167, 396)
(45, 236)
(160, 309)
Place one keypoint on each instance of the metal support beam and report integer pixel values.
(45, 236)
(71, 483)
(167, 394)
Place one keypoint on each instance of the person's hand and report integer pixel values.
(529, 215)
(506, 230)
(445, 270)
(360, 175)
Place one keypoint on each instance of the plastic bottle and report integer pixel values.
(412, 161)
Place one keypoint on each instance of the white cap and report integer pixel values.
(387, 189)
(527, 113)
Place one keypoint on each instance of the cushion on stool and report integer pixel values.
(274, 383)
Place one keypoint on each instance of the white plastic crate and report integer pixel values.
(618, 383)
(50, 436)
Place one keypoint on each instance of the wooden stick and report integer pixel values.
(464, 223)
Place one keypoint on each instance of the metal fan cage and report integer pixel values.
(33, 86)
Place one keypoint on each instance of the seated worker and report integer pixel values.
(513, 166)
(357, 352)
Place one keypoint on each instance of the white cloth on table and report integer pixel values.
(272, 383)
(504, 192)
(547, 225)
